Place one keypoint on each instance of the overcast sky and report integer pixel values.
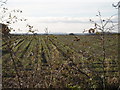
(61, 15)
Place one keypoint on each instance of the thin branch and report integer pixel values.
(109, 20)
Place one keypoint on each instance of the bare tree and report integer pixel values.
(7, 18)
(102, 27)
(117, 6)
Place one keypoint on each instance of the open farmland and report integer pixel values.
(59, 61)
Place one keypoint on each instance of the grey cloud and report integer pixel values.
(63, 20)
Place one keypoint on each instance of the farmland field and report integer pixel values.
(60, 61)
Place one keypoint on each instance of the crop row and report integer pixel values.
(42, 61)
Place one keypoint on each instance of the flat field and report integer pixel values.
(60, 61)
